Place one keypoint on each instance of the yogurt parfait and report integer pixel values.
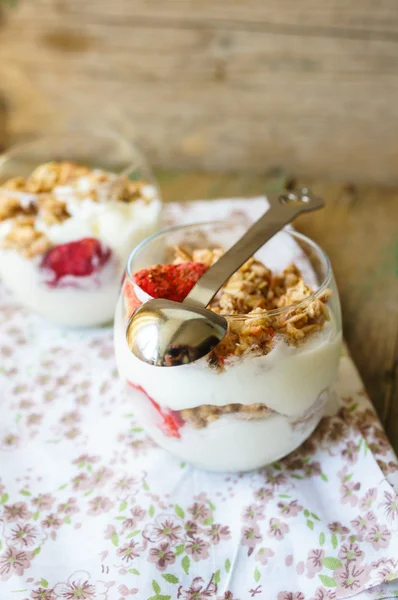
(261, 392)
(66, 231)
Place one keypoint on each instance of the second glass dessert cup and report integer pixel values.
(263, 391)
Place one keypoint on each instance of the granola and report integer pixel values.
(252, 295)
(41, 196)
(201, 416)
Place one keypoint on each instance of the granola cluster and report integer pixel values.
(250, 294)
(201, 416)
(40, 196)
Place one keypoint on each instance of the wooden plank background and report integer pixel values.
(309, 86)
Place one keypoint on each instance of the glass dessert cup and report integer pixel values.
(94, 216)
(254, 404)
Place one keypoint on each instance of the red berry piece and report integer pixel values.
(171, 420)
(77, 259)
(172, 282)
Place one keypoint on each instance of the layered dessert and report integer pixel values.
(66, 231)
(262, 390)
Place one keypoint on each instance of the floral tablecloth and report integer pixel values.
(91, 509)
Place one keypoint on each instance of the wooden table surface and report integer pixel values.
(359, 231)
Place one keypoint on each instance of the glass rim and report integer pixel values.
(32, 141)
(243, 316)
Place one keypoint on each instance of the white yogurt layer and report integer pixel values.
(288, 379)
(229, 443)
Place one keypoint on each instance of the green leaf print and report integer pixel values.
(314, 516)
(115, 539)
(133, 533)
(217, 577)
(179, 549)
(44, 583)
(186, 563)
(257, 575)
(310, 524)
(227, 565)
(36, 515)
(211, 505)
(335, 542)
(123, 505)
(67, 520)
(155, 586)
(328, 581)
(36, 551)
(179, 512)
(324, 477)
(170, 578)
(321, 538)
(332, 563)
(306, 513)
(151, 510)
(134, 571)
(208, 521)
(3, 498)
(25, 493)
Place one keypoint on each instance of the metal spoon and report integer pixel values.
(166, 333)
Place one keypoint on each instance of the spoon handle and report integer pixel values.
(284, 207)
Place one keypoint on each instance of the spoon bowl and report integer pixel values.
(166, 333)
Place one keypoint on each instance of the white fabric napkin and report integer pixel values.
(92, 509)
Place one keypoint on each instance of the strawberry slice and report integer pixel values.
(131, 300)
(78, 259)
(172, 282)
(172, 421)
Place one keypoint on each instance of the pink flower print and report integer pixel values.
(314, 562)
(290, 596)
(351, 551)
(165, 529)
(290, 509)
(125, 591)
(277, 528)
(44, 501)
(199, 512)
(387, 570)
(85, 458)
(51, 522)
(191, 528)
(71, 418)
(99, 505)
(162, 556)
(368, 499)
(16, 512)
(34, 419)
(347, 493)
(350, 452)
(125, 484)
(129, 551)
(363, 522)
(390, 505)
(277, 479)
(9, 442)
(198, 590)
(312, 468)
(137, 514)
(218, 532)
(77, 586)
(379, 536)
(323, 594)
(81, 482)
(197, 548)
(263, 555)
(352, 577)
(43, 594)
(227, 596)
(264, 494)
(109, 531)
(22, 535)
(101, 476)
(337, 527)
(14, 562)
(251, 536)
(68, 508)
(254, 512)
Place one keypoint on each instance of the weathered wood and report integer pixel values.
(359, 231)
(312, 88)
